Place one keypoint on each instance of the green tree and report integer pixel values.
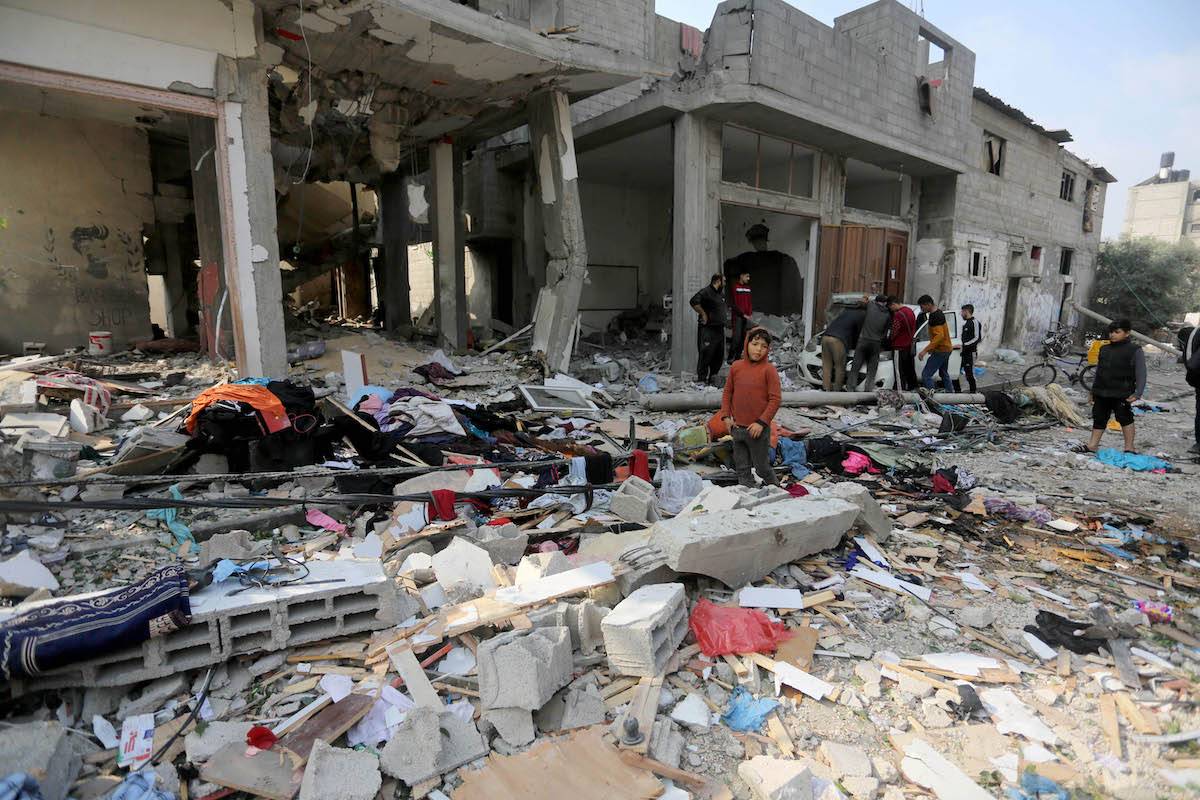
(1150, 282)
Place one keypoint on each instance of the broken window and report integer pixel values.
(993, 153)
(979, 263)
(766, 162)
(933, 57)
(872, 188)
(1196, 196)
(1196, 227)
(1064, 261)
(1089, 206)
(1066, 188)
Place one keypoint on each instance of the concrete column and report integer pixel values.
(810, 276)
(251, 248)
(696, 232)
(394, 226)
(449, 264)
(207, 202)
(553, 146)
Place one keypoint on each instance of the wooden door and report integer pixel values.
(895, 263)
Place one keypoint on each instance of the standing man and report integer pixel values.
(904, 328)
(1189, 340)
(840, 337)
(713, 315)
(742, 309)
(972, 332)
(870, 342)
(940, 346)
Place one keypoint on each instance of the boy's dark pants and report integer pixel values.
(748, 451)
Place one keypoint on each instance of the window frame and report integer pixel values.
(1066, 260)
(1066, 186)
(811, 189)
(978, 256)
(994, 166)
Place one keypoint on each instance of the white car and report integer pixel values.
(886, 377)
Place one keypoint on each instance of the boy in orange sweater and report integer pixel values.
(751, 398)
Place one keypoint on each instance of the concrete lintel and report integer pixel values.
(856, 216)
(449, 260)
(741, 195)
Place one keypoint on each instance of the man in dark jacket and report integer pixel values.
(870, 342)
(713, 315)
(1120, 382)
(840, 337)
(972, 333)
(1189, 340)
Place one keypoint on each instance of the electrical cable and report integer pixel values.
(200, 699)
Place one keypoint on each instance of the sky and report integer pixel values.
(1122, 77)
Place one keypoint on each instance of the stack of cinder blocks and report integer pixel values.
(224, 625)
(518, 674)
(642, 632)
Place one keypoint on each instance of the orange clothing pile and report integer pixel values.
(260, 397)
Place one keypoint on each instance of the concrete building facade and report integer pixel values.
(544, 162)
(1165, 206)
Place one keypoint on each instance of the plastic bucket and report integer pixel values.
(100, 343)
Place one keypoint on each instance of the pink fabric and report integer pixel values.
(857, 463)
(316, 516)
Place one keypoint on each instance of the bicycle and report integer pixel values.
(1045, 373)
(1058, 340)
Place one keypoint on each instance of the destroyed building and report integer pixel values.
(375, 158)
(1165, 206)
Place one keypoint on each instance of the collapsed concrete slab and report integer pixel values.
(642, 632)
(870, 517)
(431, 742)
(523, 669)
(201, 745)
(504, 543)
(334, 773)
(744, 545)
(43, 750)
(464, 562)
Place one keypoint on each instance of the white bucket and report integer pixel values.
(100, 343)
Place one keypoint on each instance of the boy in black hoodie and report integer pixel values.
(1119, 383)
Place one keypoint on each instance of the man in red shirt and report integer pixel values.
(904, 328)
(742, 309)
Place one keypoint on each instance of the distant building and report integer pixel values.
(1165, 206)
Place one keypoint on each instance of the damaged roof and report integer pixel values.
(1058, 135)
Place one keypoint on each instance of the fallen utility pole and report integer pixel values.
(684, 401)
(1141, 337)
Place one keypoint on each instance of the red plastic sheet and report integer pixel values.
(719, 630)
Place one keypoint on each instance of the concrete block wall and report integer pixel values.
(295, 617)
(864, 69)
(1016, 211)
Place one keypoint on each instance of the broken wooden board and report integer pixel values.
(415, 679)
(643, 708)
(581, 766)
(1109, 723)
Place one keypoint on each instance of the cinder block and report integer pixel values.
(523, 669)
(752, 497)
(431, 742)
(635, 501)
(335, 773)
(642, 632)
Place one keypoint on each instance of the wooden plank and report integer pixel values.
(921, 676)
(738, 667)
(643, 708)
(1064, 662)
(328, 724)
(414, 676)
(581, 766)
(779, 735)
(1141, 721)
(1109, 724)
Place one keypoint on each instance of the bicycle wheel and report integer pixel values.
(1042, 374)
(1086, 376)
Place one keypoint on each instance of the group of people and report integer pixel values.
(714, 316)
(884, 323)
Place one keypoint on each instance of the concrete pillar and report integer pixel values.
(810, 275)
(394, 227)
(207, 196)
(174, 303)
(251, 247)
(557, 174)
(696, 233)
(449, 260)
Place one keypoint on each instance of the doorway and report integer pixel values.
(1011, 337)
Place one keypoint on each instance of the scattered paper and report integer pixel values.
(1064, 525)
(871, 551)
(23, 574)
(786, 674)
(962, 663)
(972, 581)
(1040, 649)
(105, 732)
(927, 767)
(459, 661)
(890, 582)
(768, 597)
(137, 740)
(337, 686)
(1012, 716)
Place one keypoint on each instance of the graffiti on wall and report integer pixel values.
(107, 291)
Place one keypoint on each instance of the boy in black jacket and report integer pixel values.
(1119, 383)
(1189, 340)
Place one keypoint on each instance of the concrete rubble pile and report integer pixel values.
(449, 586)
